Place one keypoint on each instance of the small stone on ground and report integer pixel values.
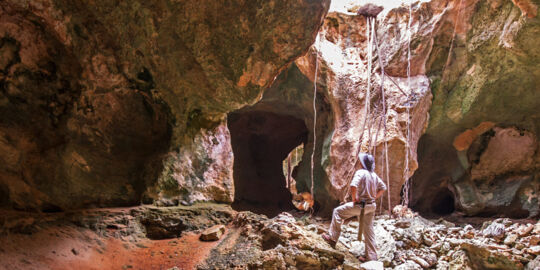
(213, 233)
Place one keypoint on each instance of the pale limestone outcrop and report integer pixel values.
(201, 171)
(343, 75)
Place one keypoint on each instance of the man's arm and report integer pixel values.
(353, 194)
(380, 193)
(381, 188)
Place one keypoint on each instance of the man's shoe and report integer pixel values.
(328, 240)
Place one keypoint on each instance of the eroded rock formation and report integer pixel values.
(100, 99)
(112, 104)
(480, 153)
(481, 140)
(343, 62)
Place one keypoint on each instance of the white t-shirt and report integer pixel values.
(367, 184)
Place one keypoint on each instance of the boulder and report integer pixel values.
(495, 230)
(534, 240)
(307, 260)
(369, 10)
(403, 224)
(273, 260)
(525, 230)
(459, 260)
(213, 233)
(330, 253)
(510, 239)
(420, 262)
(170, 222)
(482, 256)
(163, 227)
(431, 259)
(536, 229)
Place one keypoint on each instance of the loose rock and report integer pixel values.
(510, 239)
(495, 230)
(372, 265)
(535, 250)
(213, 233)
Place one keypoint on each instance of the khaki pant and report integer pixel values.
(349, 210)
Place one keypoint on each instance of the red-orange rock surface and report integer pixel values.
(100, 100)
(114, 103)
(343, 78)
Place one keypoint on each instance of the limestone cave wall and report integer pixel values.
(109, 103)
(474, 86)
(481, 143)
(342, 74)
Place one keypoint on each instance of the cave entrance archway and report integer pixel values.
(261, 141)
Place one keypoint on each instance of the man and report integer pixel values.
(366, 187)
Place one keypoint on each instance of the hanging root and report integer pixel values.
(386, 170)
(370, 31)
(449, 57)
(314, 113)
(406, 190)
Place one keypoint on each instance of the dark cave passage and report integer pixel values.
(261, 141)
(431, 195)
(443, 202)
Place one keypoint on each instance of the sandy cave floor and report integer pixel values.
(68, 248)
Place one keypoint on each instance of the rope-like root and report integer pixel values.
(444, 75)
(406, 185)
(370, 30)
(314, 114)
(386, 170)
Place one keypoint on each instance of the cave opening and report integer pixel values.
(443, 202)
(260, 141)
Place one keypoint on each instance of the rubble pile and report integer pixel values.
(418, 243)
(213, 236)
(284, 242)
(407, 241)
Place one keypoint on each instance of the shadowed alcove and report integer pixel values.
(261, 141)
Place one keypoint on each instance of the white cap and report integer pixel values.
(365, 156)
